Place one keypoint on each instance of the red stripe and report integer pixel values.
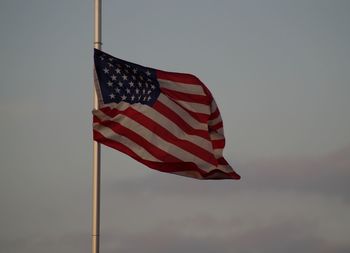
(200, 117)
(168, 113)
(218, 174)
(168, 136)
(162, 132)
(168, 167)
(150, 147)
(180, 122)
(114, 144)
(222, 161)
(214, 115)
(200, 99)
(95, 119)
(216, 126)
(178, 77)
(218, 144)
(157, 129)
(233, 174)
(113, 112)
(175, 167)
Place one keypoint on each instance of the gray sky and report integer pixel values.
(279, 71)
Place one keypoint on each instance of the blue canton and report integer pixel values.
(120, 80)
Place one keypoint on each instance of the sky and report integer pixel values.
(279, 71)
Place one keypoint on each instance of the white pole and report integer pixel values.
(96, 147)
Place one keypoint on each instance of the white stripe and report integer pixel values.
(218, 152)
(121, 106)
(216, 136)
(194, 107)
(166, 123)
(174, 129)
(139, 150)
(215, 121)
(182, 113)
(225, 168)
(182, 87)
(158, 141)
(213, 108)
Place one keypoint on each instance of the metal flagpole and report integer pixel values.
(96, 146)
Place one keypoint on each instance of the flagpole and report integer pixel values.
(96, 173)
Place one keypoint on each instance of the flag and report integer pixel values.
(167, 121)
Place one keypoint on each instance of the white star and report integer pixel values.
(105, 70)
(132, 98)
(135, 71)
(131, 84)
(143, 91)
(125, 77)
(117, 70)
(123, 97)
(149, 98)
(149, 91)
(148, 73)
(128, 90)
(117, 90)
(120, 84)
(112, 96)
(153, 87)
(110, 84)
(101, 57)
(137, 91)
(128, 66)
(114, 77)
(133, 77)
(110, 59)
(140, 84)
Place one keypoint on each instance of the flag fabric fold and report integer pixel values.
(167, 121)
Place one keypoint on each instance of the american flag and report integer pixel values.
(167, 121)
